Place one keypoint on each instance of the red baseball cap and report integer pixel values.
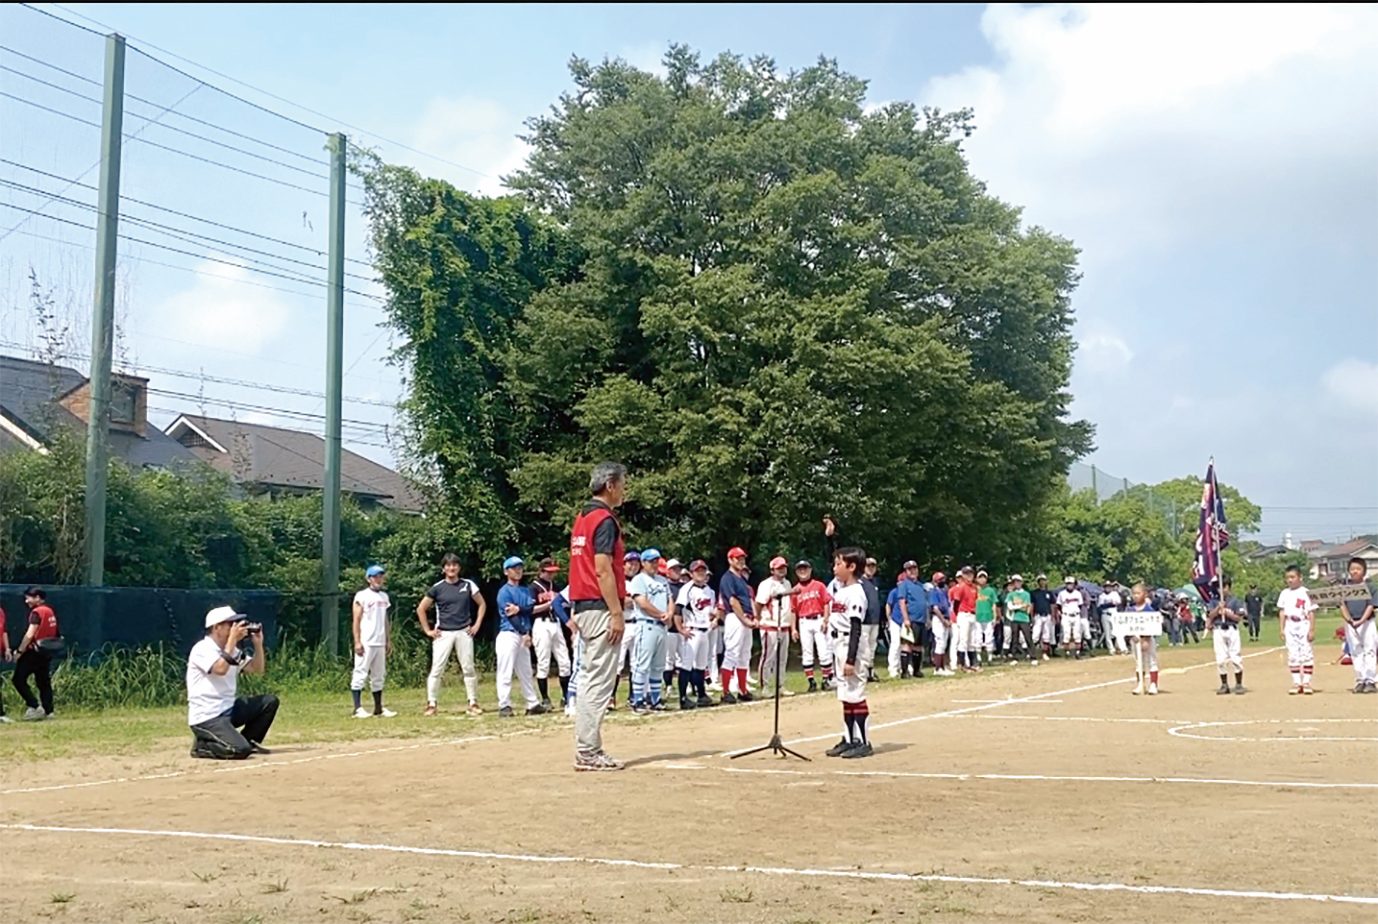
(778, 561)
(736, 552)
(698, 564)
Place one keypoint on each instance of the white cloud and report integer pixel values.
(647, 56)
(1128, 125)
(218, 310)
(478, 133)
(1353, 384)
(1103, 353)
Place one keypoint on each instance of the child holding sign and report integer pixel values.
(1145, 647)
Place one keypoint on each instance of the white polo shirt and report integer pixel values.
(208, 696)
(373, 622)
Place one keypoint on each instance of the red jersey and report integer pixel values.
(46, 620)
(811, 599)
(583, 574)
(963, 597)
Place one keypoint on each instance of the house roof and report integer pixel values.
(278, 457)
(28, 400)
(1345, 549)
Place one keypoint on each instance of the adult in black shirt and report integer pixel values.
(1253, 604)
(454, 600)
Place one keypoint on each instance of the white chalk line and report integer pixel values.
(1076, 718)
(262, 764)
(804, 872)
(1041, 777)
(1037, 697)
(1006, 700)
(1185, 731)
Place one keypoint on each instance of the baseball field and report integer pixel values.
(1025, 794)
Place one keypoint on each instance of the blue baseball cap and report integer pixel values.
(513, 562)
(650, 555)
(375, 570)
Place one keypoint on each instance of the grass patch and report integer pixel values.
(742, 896)
(61, 898)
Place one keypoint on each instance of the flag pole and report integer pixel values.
(1216, 504)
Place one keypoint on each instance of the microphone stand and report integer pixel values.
(776, 745)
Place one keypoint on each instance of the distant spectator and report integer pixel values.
(35, 656)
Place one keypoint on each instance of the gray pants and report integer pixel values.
(597, 679)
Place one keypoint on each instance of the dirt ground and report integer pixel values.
(1030, 794)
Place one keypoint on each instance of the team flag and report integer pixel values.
(1212, 535)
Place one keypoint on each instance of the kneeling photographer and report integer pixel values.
(223, 727)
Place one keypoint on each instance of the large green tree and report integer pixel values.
(766, 300)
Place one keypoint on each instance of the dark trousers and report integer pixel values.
(221, 738)
(1254, 620)
(38, 665)
(1022, 630)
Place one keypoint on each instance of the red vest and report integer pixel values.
(583, 575)
(46, 620)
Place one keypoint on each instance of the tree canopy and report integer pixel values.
(767, 300)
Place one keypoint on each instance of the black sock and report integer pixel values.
(849, 723)
(357, 694)
(377, 702)
(916, 663)
(669, 680)
(1239, 678)
(1224, 680)
(564, 686)
(863, 712)
(684, 684)
(615, 684)
(700, 687)
(543, 683)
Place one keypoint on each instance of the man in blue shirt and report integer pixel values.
(912, 604)
(650, 595)
(513, 644)
(736, 599)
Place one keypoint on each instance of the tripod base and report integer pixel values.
(777, 746)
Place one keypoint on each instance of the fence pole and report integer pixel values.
(103, 309)
(334, 365)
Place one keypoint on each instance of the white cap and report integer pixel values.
(221, 614)
(673, 563)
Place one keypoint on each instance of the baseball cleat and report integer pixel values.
(728, 700)
(1239, 688)
(705, 702)
(595, 761)
(1152, 689)
(386, 713)
(506, 712)
(475, 709)
(861, 750)
(687, 703)
(745, 696)
(1294, 691)
(538, 709)
(1307, 689)
(837, 750)
(430, 710)
(362, 713)
(1224, 690)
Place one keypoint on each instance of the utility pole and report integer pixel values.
(334, 369)
(1095, 486)
(103, 309)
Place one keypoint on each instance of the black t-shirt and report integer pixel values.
(873, 607)
(1254, 604)
(453, 603)
(1042, 601)
(605, 536)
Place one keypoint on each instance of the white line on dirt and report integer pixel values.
(1076, 718)
(1185, 730)
(1201, 781)
(1047, 884)
(1037, 697)
(267, 763)
(1010, 700)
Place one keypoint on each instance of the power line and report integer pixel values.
(171, 128)
(248, 406)
(305, 280)
(269, 94)
(195, 237)
(203, 377)
(180, 214)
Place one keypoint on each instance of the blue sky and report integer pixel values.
(1215, 165)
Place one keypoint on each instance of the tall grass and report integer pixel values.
(154, 675)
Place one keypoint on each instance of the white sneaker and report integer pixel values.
(1139, 689)
(362, 713)
(34, 714)
(5, 720)
(570, 711)
(784, 692)
(388, 713)
(1152, 689)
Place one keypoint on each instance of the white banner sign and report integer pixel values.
(1135, 623)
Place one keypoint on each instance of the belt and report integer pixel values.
(584, 606)
(544, 616)
(646, 622)
(814, 616)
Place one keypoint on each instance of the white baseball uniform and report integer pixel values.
(777, 616)
(848, 604)
(696, 614)
(373, 635)
(1295, 606)
(1075, 626)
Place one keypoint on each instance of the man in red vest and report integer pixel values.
(596, 591)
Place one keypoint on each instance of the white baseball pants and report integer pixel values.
(549, 639)
(672, 645)
(371, 666)
(714, 653)
(892, 657)
(693, 651)
(1044, 630)
(813, 639)
(984, 635)
(849, 689)
(736, 644)
(774, 650)
(966, 632)
(1145, 661)
(628, 650)
(1227, 651)
(941, 633)
(512, 656)
(1300, 652)
(1107, 634)
(460, 643)
(1075, 629)
(1363, 651)
(870, 637)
